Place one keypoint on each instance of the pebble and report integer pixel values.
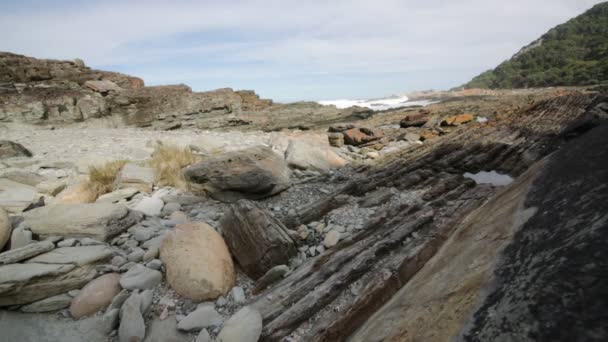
(203, 317)
(238, 295)
(203, 336)
(331, 239)
(67, 243)
(154, 264)
(136, 255)
(118, 261)
(140, 277)
(150, 254)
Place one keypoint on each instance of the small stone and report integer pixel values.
(143, 234)
(90, 242)
(331, 239)
(203, 336)
(146, 301)
(67, 243)
(140, 277)
(20, 237)
(136, 255)
(238, 295)
(127, 266)
(119, 299)
(74, 293)
(150, 206)
(303, 232)
(273, 275)
(178, 217)
(221, 301)
(151, 254)
(320, 228)
(118, 261)
(243, 326)
(203, 317)
(312, 251)
(170, 208)
(164, 314)
(155, 264)
(320, 249)
(110, 320)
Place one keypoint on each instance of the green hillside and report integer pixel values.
(571, 54)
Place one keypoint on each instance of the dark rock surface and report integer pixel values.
(551, 283)
(9, 149)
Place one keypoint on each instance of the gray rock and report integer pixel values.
(51, 187)
(118, 261)
(203, 317)
(273, 275)
(150, 206)
(90, 242)
(252, 173)
(169, 208)
(24, 177)
(155, 264)
(67, 242)
(117, 195)
(146, 300)
(238, 295)
(136, 255)
(243, 326)
(25, 252)
(160, 330)
(132, 326)
(143, 233)
(20, 237)
(203, 336)
(53, 303)
(83, 255)
(154, 242)
(135, 176)
(151, 254)
(119, 299)
(110, 320)
(15, 197)
(140, 277)
(100, 221)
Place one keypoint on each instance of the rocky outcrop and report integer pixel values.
(99, 221)
(252, 173)
(258, 241)
(199, 266)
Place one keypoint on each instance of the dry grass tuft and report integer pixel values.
(101, 178)
(168, 162)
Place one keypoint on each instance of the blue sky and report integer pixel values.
(285, 50)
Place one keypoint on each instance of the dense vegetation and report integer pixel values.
(572, 54)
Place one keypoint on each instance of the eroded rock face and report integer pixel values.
(99, 221)
(257, 240)
(252, 173)
(199, 266)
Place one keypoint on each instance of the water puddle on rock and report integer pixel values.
(489, 177)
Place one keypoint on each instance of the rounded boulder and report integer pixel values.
(96, 295)
(198, 264)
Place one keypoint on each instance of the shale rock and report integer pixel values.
(257, 240)
(99, 221)
(198, 264)
(5, 228)
(252, 173)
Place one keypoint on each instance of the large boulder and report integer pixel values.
(95, 296)
(199, 266)
(9, 149)
(99, 221)
(5, 228)
(252, 173)
(257, 239)
(307, 156)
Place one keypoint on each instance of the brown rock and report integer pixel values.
(102, 86)
(427, 134)
(415, 120)
(199, 266)
(76, 193)
(96, 295)
(257, 240)
(359, 136)
(457, 120)
(336, 139)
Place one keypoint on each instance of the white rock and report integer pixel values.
(151, 206)
(331, 239)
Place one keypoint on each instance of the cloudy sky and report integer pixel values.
(286, 50)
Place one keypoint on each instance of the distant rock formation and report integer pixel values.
(41, 91)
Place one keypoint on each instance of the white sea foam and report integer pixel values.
(376, 104)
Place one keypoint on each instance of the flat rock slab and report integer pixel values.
(15, 197)
(28, 327)
(115, 196)
(25, 252)
(82, 255)
(135, 176)
(16, 273)
(99, 221)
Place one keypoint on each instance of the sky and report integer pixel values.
(283, 49)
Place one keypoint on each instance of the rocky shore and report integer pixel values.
(160, 214)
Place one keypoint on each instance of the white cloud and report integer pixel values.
(298, 38)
